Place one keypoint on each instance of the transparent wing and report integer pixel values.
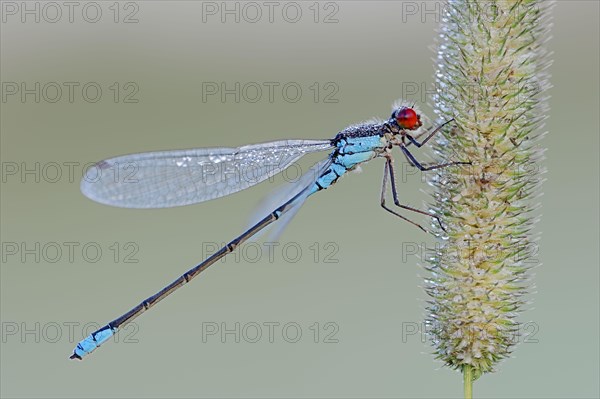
(174, 178)
(282, 195)
(307, 181)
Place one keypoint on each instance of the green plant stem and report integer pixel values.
(468, 381)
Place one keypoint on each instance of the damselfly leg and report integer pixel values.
(389, 170)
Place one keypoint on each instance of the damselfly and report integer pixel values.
(173, 178)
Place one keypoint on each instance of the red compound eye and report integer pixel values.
(408, 119)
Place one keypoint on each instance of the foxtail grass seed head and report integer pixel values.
(491, 77)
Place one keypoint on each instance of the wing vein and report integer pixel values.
(181, 177)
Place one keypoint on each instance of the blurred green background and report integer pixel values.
(151, 73)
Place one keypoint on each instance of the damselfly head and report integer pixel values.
(407, 118)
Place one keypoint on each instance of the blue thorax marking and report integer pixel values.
(353, 147)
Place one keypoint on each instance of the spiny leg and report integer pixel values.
(390, 168)
(386, 171)
(413, 161)
(437, 129)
